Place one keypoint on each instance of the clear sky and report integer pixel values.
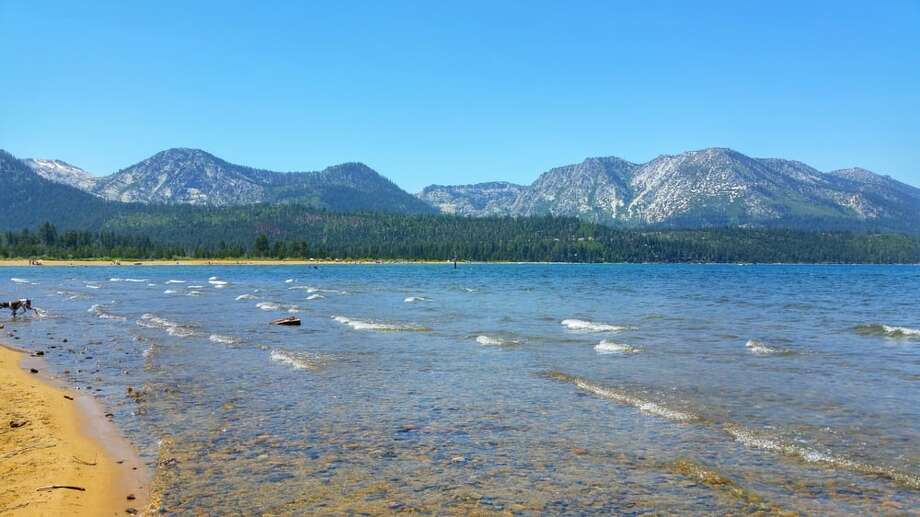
(460, 92)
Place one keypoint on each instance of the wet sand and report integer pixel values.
(52, 437)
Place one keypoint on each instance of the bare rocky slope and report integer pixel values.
(710, 187)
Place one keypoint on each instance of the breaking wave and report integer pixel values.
(747, 437)
(485, 340)
(385, 327)
(315, 296)
(224, 340)
(609, 347)
(413, 299)
(175, 281)
(761, 348)
(889, 331)
(769, 443)
(268, 306)
(103, 314)
(646, 406)
(153, 321)
(169, 291)
(245, 297)
(299, 360)
(19, 280)
(590, 326)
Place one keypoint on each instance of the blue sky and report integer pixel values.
(460, 92)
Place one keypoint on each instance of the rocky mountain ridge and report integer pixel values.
(709, 187)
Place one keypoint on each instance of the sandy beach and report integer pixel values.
(58, 453)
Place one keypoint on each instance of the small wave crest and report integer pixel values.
(609, 347)
(172, 328)
(485, 340)
(175, 281)
(889, 331)
(224, 340)
(761, 348)
(590, 326)
(646, 406)
(245, 297)
(382, 327)
(414, 299)
(102, 313)
(766, 442)
(299, 360)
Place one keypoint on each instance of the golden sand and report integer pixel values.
(50, 437)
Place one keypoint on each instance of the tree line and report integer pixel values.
(269, 232)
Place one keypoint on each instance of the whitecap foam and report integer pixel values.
(609, 347)
(225, 340)
(19, 280)
(93, 286)
(194, 287)
(315, 297)
(169, 291)
(268, 306)
(370, 325)
(245, 297)
(289, 281)
(116, 280)
(135, 280)
(590, 326)
(193, 293)
(212, 278)
(485, 340)
(299, 360)
(175, 281)
(217, 283)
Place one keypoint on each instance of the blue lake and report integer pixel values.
(580, 389)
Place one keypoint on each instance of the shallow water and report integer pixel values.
(575, 389)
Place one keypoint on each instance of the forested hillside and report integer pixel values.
(373, 236)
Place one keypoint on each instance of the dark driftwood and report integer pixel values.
(56, 487)
(289, 321)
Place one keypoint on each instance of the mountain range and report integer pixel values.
(709, 187)
(195, 177)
